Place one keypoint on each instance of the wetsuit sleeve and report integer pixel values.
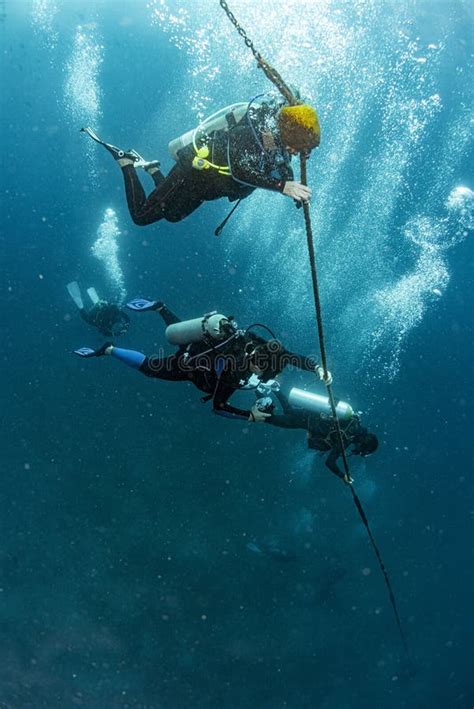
(307, 364)
(222, 408)
(288, 419)
(284, 421)
(331, 463)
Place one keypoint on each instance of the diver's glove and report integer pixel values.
(106, 349)
(319, 369)
(256, 415)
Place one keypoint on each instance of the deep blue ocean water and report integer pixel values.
(127, 508)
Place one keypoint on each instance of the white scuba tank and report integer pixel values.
(196, 330)
(318, 404)
(218, 121)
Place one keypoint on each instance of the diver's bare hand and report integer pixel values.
(297, 191)
(256, 415)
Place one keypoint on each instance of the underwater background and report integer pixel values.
(131, 517)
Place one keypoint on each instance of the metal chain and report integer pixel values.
(269, 71)
(241, 31)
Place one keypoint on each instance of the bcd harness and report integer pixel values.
(201, 159)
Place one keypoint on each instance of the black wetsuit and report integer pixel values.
(217, 370)
(322, 434)
(108, 318)
(185, 188)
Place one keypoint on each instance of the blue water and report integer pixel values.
(133, 520)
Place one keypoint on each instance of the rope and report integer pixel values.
(322, 346)
(277, 80)
(391, 594)
(319, 319)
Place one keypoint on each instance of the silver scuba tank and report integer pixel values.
(197, 330)
(218, 121)
(177, 144)
(315, 403)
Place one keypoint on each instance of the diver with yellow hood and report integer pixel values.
(230, 154)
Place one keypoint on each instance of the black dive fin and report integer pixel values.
(116, 152)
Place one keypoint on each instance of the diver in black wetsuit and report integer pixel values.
(217, 367)
(322, 433)
(108, 318)
(253, 151)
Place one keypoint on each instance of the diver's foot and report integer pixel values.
(123, 157)
(150, 167)
(87, 352)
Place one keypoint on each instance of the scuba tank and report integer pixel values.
(218, 121)
(208, 327)
(318, 404)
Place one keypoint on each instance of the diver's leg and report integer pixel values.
(168, 368)
(156, 175)
(139, 207)
(171, 369)
(143, 305)
(175, 197)
(168, 317)
(131, 358)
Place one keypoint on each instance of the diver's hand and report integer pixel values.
(348, 480)
(320, 372)
(257, 415)
(297, 191)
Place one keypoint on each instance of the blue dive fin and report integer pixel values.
(85, 352)
(139, 304)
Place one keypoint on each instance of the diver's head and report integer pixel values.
(364, 443)
(299, 128)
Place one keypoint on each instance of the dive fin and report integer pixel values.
(92, 293)
(85, 352)
(139, 304)
(117, 153)
(89, 352)
(75, 293)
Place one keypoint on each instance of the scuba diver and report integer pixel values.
(230, 154)
(109, 319)
(312, 413)
(213, 354)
